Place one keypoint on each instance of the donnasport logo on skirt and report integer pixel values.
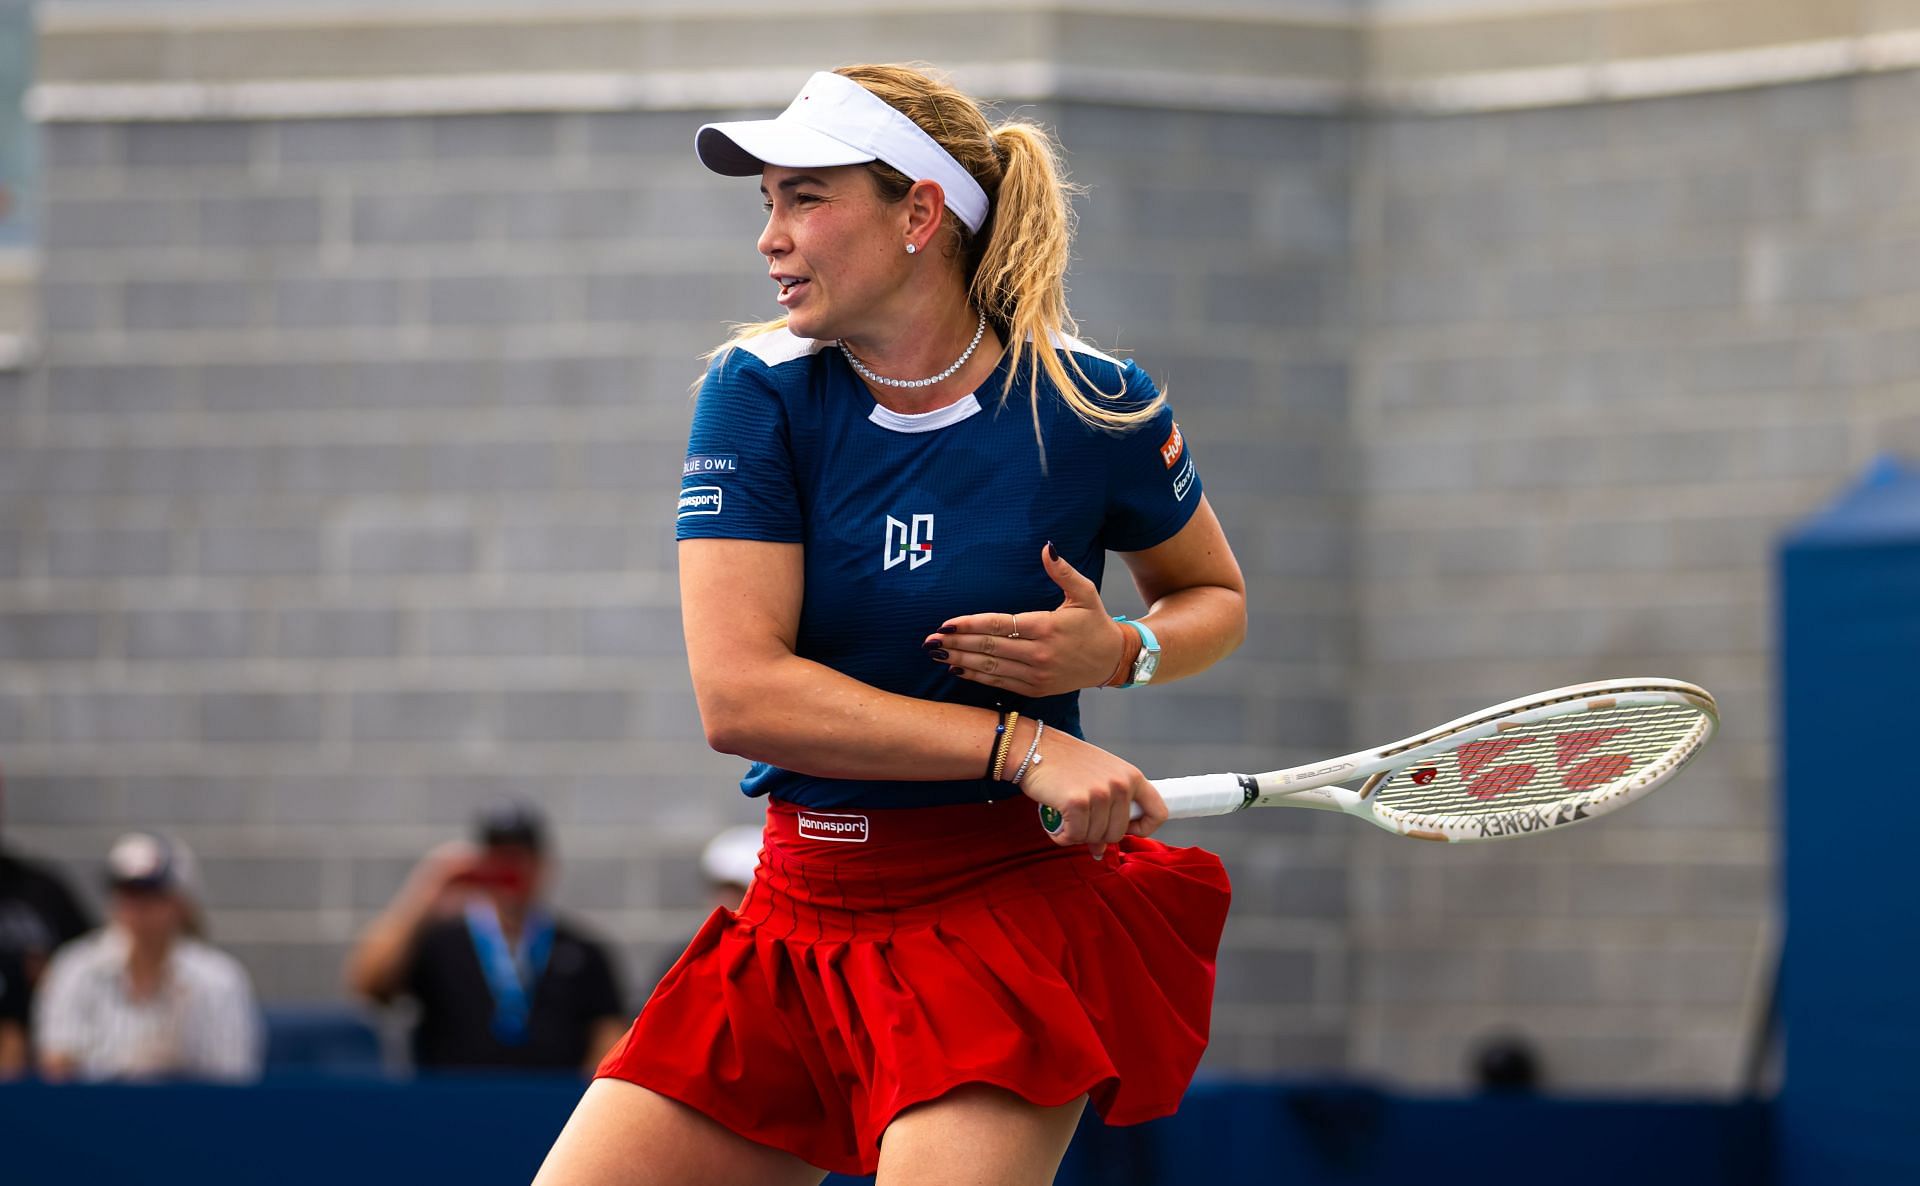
(847, 829)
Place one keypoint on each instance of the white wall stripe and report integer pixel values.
(1028, 81)
(1644, 78)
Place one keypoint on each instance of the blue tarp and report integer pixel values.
(1849, 1107)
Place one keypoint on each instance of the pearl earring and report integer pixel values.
(911, 249)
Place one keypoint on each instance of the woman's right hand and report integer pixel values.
(442, 875)
(1093, 791)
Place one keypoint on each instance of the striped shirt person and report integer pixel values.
(142, 998)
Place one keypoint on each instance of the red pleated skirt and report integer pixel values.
(885, 957)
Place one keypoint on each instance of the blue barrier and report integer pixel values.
(481, 1130)
(1850, 621)
(321, 1037)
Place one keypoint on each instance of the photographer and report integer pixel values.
(500, 981)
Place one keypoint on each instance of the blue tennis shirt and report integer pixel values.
(909, 520)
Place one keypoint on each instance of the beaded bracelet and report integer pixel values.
(1033, 752)
(1002, 746)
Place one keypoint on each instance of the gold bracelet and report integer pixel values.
(1003, 747)
(999, 731)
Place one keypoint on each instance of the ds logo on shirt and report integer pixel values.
(913, 545)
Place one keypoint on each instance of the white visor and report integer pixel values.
(836, 121)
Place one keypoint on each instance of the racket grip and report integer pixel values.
(1200, 794)
(1195, 795)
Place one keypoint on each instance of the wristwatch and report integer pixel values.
(1148, 661)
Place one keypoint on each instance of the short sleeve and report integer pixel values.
(1153, 485)
(63, 911)
(737, 481)
(13, 988)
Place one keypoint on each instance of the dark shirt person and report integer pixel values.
(500, 980)
(14, 1015)
(37, 914)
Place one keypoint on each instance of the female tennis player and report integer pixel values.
(889, 504)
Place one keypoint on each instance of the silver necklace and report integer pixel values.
(870, 377)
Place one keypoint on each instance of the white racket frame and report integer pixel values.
(1317, 786)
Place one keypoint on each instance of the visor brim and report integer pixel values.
(743, 148)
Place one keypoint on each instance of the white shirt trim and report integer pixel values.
(933, 421)
(1076, 346)
(781, 345)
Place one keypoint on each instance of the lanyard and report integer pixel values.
(511, 974)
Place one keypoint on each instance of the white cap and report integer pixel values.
(731, 857)
(152, 861)
(836, 121)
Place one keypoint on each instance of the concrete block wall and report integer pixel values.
(1610, 352)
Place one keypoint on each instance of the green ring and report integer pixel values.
(1051, 819)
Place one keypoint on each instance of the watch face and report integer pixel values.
(1145, 666)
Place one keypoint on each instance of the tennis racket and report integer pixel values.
(1516, 769)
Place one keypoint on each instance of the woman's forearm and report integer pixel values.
(1196, 628)
(806, 717)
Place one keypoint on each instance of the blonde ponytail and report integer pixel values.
(1016, 264)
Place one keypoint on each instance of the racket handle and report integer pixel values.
(1199, 794)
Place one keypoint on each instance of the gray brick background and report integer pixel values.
(337, 505)
(1609, 353)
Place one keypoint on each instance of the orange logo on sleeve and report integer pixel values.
(1170, 452)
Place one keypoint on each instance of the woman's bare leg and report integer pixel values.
(977, 1136)
(622, 1134)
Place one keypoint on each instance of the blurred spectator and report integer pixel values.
(37, 914)
(144, 997)
(1506, 1063)
(13, 1017)
(500, 980)
(726, 865)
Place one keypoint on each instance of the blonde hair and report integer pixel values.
(1016, 264)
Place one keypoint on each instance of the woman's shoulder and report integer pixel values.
(211, 968)
(100, 947)
(1099, 366)
(1105, 380)
(777, 350)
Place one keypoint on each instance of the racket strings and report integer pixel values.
(1577, 755)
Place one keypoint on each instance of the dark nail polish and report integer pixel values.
(941, 655)
(1051, 553)
(956, 671)
(930, 644)
(949, 630)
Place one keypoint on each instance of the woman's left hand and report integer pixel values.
(1037, 653)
